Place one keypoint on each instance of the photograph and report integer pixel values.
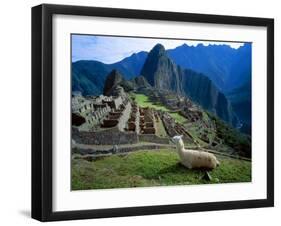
(159, 111)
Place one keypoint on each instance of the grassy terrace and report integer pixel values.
(143, 101)
(151, 168)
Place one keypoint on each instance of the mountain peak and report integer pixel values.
(158, 49)
(115, 75)
(184, 45)
(160, 71)
(151, 65)
(113, 78)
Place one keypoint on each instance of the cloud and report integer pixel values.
(109, 49)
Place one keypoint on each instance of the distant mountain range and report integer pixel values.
(88, 76)
(220, 68)
(227, 67)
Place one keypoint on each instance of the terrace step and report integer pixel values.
(105, 150)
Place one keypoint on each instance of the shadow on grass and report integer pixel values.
(178, 167)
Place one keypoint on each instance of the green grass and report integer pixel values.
(179, 118)
(160, 129)
(143, 101)
(151, 168)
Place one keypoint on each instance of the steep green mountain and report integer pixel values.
(203, 91)
(241, 102)
(162, 73)
(88, 77)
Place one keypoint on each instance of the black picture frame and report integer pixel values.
(42, 111)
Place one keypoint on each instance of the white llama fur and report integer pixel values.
(193, 158)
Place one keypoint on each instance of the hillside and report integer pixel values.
(241, 100)
(151, 168)
(151, 159)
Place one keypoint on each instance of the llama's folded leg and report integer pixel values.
(187, 165)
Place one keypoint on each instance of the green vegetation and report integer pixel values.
(151, 168)
(143, 101)
(160, 129)
(233, 138)
(179, 118)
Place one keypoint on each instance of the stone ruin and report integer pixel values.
(114, 117)
(173, 128)
(133, 122)
(147, 121)
(102, 115)
(191, 114)
(97, 111)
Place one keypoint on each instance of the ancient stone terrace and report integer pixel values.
(173, 128)
(147, 121)
(118, 117)
(97, 109)
(133, 121)
(171, 100)
(113, 103)
(191, 114)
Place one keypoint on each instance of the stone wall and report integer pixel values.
(105, 137)
(152, 138)
(125, 117)
(93, 153)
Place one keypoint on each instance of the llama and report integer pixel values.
(193, 158)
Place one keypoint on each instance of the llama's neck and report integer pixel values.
(180, 146)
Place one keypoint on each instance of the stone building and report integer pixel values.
(113, 102)
(147, 124)
(99, 111)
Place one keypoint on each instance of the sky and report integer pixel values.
(109, 49)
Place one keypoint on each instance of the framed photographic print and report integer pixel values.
(145, 112)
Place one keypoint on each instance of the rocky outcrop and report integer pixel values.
(113, 79)
(141, 82)
(116, 85)
(161, 72)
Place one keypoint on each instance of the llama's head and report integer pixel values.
(177, 139)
